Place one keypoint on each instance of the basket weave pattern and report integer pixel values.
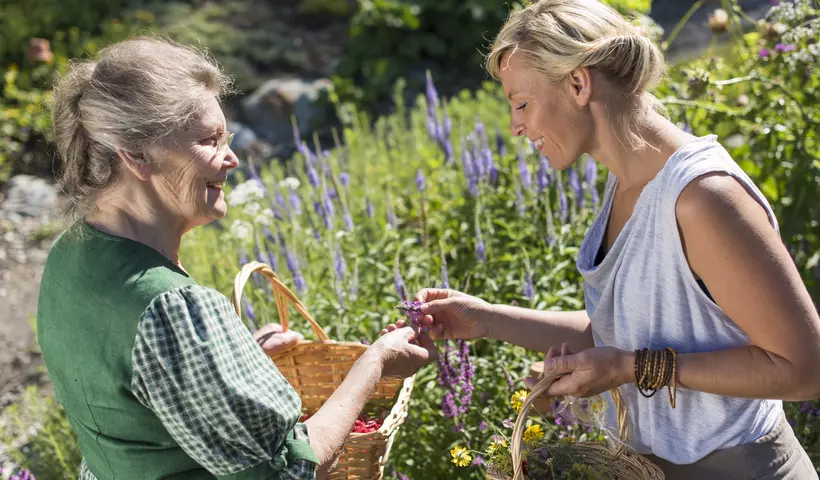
(316, 369)
(621, 463)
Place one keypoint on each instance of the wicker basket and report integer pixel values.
(621, 463)
(316, 369)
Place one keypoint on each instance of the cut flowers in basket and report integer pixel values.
(545, 457)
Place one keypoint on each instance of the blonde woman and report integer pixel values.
(684, 259)
(157, 374)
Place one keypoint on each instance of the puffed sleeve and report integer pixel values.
(197, 367)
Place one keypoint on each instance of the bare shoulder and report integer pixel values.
(719, 200)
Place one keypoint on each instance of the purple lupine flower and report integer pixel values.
(348, 219)
(339, 261)
(478, 461)
(340, 294)
(243, 259)
(420, 183)
(272, 260)
(330, 211)
(783, 48)
(469, 167)
(482, 426)
(23, 474)
(391, 216)
(520, 205)
(295, 202)
(354, 283)
(507, 423)
(465, 376)
(250, 314)
(562, 200)
(479, 247)
(431, 93)
(529, 288)
(344, 179)
(501, 146)
(445, 373)
(448, 405)
(591, 181)
(524, 169)
(457, 428)
(398, 281)
(317, 207)
(293, 265)
(575, 183)
(542, 178)
(368, 205)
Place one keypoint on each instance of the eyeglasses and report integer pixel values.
(225, 141)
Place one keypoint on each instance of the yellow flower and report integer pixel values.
(517, 400)
(533, 432)
(496, 445)
(461, 456)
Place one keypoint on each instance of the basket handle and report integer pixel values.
(281, 293)
(544, 383)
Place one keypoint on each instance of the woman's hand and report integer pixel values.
(454, 315)
(401, 357)
(590, 372)
(273, 340)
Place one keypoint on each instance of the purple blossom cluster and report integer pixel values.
(23, 474)
(477, 159)
(439, 125)
(456, 376)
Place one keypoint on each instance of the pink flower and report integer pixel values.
(763, 53)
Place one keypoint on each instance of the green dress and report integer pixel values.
(157, 374)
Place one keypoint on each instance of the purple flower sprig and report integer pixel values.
(412, 310)
(24, 474)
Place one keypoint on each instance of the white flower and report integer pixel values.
(340, 234)
(265, 218)
(241, 229)
(290, 182)
(252, 208)
(245, 192)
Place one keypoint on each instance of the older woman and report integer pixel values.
(157, 374)
(683, 259)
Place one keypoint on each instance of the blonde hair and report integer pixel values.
(555, 37)
(136, 92)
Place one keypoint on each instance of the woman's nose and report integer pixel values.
(516, 127)
(231, 160)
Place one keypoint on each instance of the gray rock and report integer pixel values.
(268, 110)
(29, 196)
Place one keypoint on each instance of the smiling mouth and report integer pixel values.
(218, 185)
(539, 143)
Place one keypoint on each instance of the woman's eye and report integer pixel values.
(521, 106)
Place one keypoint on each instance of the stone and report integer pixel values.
(269, 109)
(27, 195)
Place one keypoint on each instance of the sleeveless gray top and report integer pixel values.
(644, 294)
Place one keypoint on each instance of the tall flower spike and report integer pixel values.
(420, 183)
(524, 169)
(542, 177)
(401, 289)
(501, 147)
(479, 246)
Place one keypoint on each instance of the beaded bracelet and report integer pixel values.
(655, 369)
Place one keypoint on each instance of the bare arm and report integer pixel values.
(392, 354)
(330, 426)
(747, 269)
(539, 330)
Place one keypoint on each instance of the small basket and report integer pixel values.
(621, 463)
(316, 369)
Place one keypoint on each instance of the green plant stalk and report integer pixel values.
(671, 38)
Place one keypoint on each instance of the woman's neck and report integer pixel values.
(135, 216)
(635, 168)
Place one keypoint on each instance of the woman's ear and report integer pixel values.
(136, 164)
(580, 82)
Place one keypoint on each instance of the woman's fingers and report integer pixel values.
(551, 352)
(565, 349)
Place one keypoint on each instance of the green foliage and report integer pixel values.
(25, 121)
(51, 451)
(390, 39)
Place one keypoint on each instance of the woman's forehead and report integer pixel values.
(208, 119)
